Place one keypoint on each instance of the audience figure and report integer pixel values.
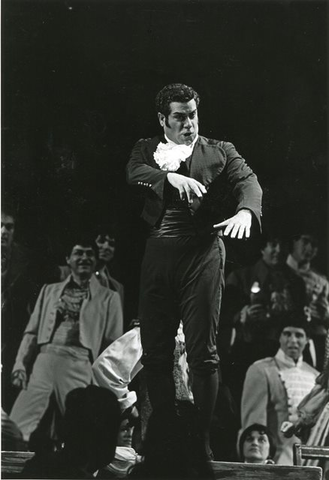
(274, 387)
(183, 175)
(72, 322)
(91, 424)
(256, 445)
(256, 300)
(125, 455)
(303, 251)
(18, 293)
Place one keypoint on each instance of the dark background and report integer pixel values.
(78, 87)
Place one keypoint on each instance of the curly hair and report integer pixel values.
(175, 92)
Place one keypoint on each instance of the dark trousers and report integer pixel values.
(182, 279)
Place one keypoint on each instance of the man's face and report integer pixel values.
(106, 247)
(82, 261)
(256, 447)
(304, 249)
(182, 124)
(271, 253)
(7, 230)
(293, 341)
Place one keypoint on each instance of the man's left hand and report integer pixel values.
(237, 226)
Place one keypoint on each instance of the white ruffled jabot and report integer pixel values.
(170, 155)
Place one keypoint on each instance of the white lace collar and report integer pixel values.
(170, 155)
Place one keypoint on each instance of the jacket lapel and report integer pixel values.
(207, 162)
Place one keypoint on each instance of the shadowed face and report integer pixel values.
(125, 435)
(256, 447)
(182, 124)
(304, 249)
(271, 253)
(293, 341)
(106, 247)
(7, 230)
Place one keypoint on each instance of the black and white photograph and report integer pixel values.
(164, 239)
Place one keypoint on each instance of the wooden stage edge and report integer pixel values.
(249, 471)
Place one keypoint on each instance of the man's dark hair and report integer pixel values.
(175, 92)
(268, 237)
(83, 240)
(104, 228)
(294, 238)
(257, 427)
(8, 209)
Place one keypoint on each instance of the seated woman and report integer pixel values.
(256, 445)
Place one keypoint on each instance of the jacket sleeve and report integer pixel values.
(254, 397)
(140, 171)
(28, 344)
(246, 188)
(114, 324)
(312, 405)
(118, 365)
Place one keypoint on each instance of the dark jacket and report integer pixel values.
(216, 164)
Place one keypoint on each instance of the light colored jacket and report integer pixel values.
(265, 401)
(101, 320)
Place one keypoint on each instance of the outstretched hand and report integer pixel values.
(237, 226)
(188, 188)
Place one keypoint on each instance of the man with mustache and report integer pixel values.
(72, 323)
(105, 241)
(184, 176)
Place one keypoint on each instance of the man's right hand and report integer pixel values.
(19, 379)
(187, 187)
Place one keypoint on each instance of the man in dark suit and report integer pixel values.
(182, 272)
